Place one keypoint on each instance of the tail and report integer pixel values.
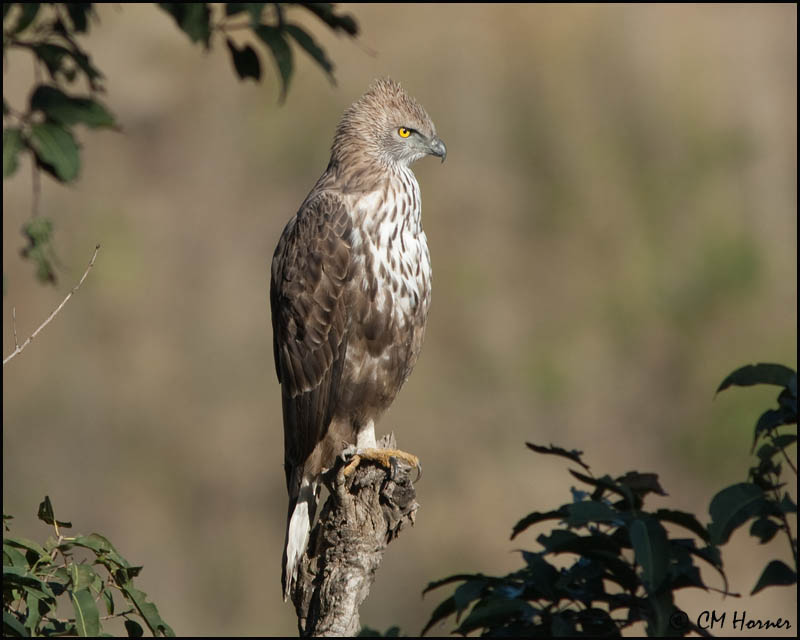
(298, 528)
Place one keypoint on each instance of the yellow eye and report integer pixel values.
(403, 132)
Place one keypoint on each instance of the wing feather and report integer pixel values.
(310, 273)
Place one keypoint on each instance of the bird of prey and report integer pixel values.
(350, 291)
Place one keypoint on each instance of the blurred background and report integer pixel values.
(614, 231)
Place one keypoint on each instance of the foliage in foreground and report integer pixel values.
(42, 581)
(68, 95)
(612, 539)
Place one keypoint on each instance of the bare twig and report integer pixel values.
(18, 348)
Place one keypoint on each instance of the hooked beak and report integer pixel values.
(437, 148)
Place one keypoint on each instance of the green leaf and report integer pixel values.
(12, 627)
(192, 17)
(24, 543)
(106, 552)
(751, 374)
(651, 547)
(13, 143)
(82, 576)
(13, 558)
(60, 107)
(87, 617)
(108, 599)
(56, 150)
(312, 48)
(274, 39)
(776, 573)
(732, 507)
(148, 611)
(245, 61)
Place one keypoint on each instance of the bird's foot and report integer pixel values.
(385, 457)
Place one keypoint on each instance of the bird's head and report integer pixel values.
(388, 126)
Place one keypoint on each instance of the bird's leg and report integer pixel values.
(366, 448)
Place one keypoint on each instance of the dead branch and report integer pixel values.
(363, 513)
(17, 347)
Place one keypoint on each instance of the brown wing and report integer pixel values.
(310, 271)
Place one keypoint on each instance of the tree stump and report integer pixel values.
(363, 513)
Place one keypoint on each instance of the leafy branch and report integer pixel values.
(41, 581)
(762, 499)
(45, 127)
(626, 566)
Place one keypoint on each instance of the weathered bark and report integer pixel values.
(363, 513)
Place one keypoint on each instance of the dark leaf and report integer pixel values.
(651, 547)
(245, 61)
(573, 455)
(60, 107)
(579, 514)
(52, 55)
(134, 629)
(46, 513)
(274, 39)
(762, 373)
(787, 505)
(641, 483)
(466, 593)
(542, 574)
(732, 507)
(255, 10)
(326, 12)
(27, 15)
(444, 610)
(683, 519)
(533, 518)
(192, 17)
(787, 399)
(449, 580)
(770, 419)
(776, 573)
(606, 483)
(56, 149)
(307, 42)
(784, 440)
(492, 612)
(77, 13)
(764, 529)
(13, 143)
